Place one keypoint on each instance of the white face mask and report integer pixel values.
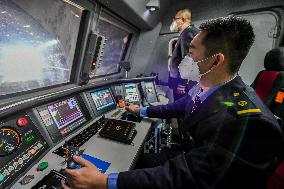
(189, 69)
(174, 26)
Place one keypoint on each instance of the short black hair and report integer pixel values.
(230, 35)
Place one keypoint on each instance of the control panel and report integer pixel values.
(131, 93)
(62, 117)
(21, 144)
(33, 144)
(149, 92)
(82, 137)
(141, 93)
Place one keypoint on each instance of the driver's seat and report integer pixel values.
(269, 86)
(269, 83)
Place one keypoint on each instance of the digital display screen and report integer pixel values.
(65, 112)
(102, 99)
(131, 93)
(130, 88)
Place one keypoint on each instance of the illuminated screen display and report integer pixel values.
(65, 112)
(102, 99)
(131, 93)
(130, 88)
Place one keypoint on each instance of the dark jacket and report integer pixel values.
(235, 139)
(180, 51)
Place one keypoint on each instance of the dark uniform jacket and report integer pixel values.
(234, 142)
(180, 51)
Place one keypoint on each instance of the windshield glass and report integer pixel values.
(37, 45)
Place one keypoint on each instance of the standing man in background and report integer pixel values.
(182, 24)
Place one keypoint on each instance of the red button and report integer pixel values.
(22, 122)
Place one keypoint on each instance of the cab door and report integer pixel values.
(267, 30)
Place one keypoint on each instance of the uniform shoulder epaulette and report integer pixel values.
(241, 105)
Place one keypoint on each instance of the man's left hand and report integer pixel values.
(86, 177)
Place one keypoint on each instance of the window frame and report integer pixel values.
(130, 46)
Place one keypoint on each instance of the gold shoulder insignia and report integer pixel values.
(236, 94)
(257, 110)
(244, 106)
(242, 103)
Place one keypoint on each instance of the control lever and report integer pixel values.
(129, 116)
(71, 164)
(69, 153)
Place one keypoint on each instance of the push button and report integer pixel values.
(21, 122)
(30, 137)
(42, 166)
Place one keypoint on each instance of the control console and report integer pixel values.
(82, 137)
(21, 144)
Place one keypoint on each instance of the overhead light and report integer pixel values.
(153, 5)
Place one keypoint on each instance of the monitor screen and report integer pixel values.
(102, 99)
(131, 93)
(65, 112)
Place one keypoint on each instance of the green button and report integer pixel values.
(1, 177)
(30, 137)
(42, 166)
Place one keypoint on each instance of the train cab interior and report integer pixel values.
(69, 67)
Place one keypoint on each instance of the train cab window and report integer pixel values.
(113, 40)
(37, 44)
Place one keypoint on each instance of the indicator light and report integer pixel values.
(30, 137)
(21, 122)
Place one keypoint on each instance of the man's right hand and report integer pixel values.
(133, 108)
(86, 177)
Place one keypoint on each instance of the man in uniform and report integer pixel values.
(182, 24)
(230, 139)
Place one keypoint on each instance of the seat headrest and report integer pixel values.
(274, 59)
